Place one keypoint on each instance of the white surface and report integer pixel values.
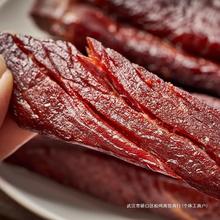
(14, 18)
(37, 194)
(53, 201)
(2, 2)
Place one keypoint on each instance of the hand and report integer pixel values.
(6, 83)
(11, 136)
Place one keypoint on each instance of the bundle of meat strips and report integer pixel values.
(89, 89)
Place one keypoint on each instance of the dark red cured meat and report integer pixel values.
(193, 25)
(62, 93)
(212, 101)
(151, 95)
(41, 104)
(113, 180)
(70, 23)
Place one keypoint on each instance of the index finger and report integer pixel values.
(6, 84)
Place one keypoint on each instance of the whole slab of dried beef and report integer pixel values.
(114, 181)
(190, 24)
(111, 105)
(72, 22)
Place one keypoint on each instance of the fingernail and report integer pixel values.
(6, 84)
(6, 80)
(2, 66)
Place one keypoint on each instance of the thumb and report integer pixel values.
(6, 84)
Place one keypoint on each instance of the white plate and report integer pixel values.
(54, 201)
(2, 2)
(14, 18)
(39, 195)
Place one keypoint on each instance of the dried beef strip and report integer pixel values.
(71, 24)
(112, 180)
(190, 24)
(151, 95)
(107, 96)
(40, 103)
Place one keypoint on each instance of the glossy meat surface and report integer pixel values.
(41, 104)
(70, 23)
(193, 25)
(113, 180)
(114, 106)
(151, 95)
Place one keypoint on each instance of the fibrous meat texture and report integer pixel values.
(190, 24)
(69, 22)
(114, 181)
(112, 105)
